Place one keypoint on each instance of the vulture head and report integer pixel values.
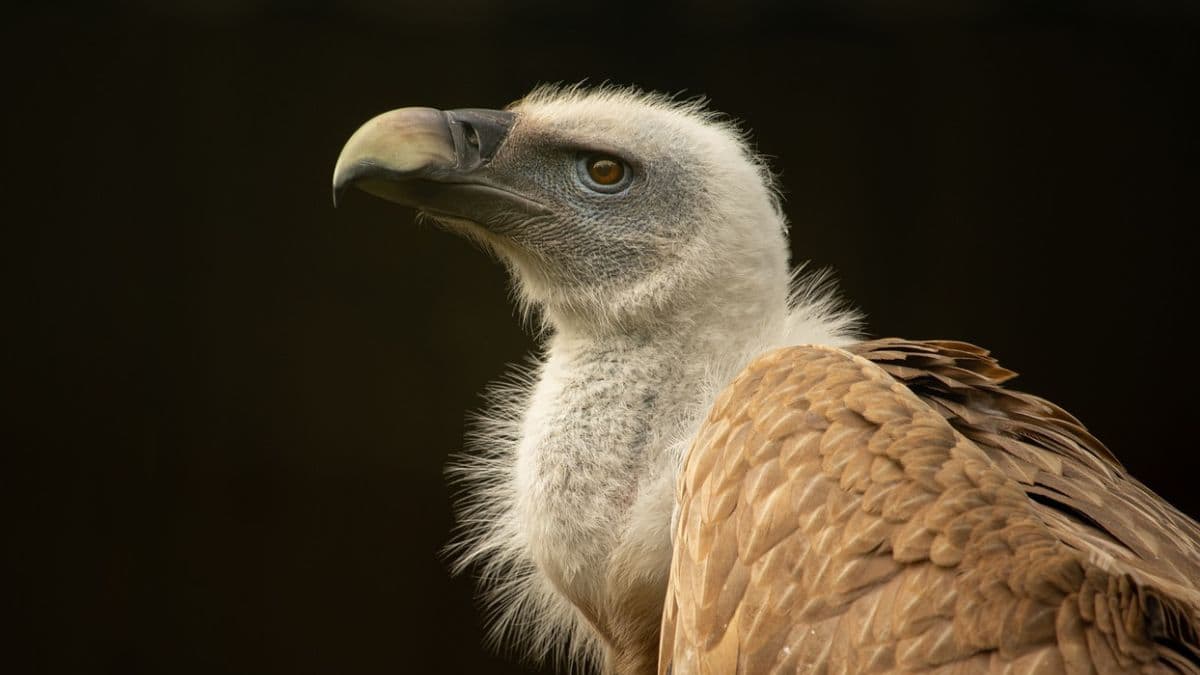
(612, 208)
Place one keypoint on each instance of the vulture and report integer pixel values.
(709, 469)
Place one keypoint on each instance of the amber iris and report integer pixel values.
(605, 171)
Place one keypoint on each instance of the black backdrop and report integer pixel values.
(233, 404)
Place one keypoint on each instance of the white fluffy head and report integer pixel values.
(700, 212)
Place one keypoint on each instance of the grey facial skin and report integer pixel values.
(482, 168)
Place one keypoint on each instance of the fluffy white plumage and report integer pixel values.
(570, 482)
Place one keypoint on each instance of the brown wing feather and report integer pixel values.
(833, 521)
(1064, 468)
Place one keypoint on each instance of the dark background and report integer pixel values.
(232, 404)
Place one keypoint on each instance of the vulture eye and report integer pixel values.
(603, 173)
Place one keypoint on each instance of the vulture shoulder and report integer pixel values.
(893, 508)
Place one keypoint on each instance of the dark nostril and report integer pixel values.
(471, 136)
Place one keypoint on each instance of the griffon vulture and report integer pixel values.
(709, 471)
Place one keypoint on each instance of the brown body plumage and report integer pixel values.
(893, 508)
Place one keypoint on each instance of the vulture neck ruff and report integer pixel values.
(571, 484)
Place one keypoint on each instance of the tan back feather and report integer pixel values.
(902, 512)
(1078, 485)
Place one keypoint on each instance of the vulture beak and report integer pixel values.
(436, 161)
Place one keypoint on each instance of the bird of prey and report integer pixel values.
(709, 470)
